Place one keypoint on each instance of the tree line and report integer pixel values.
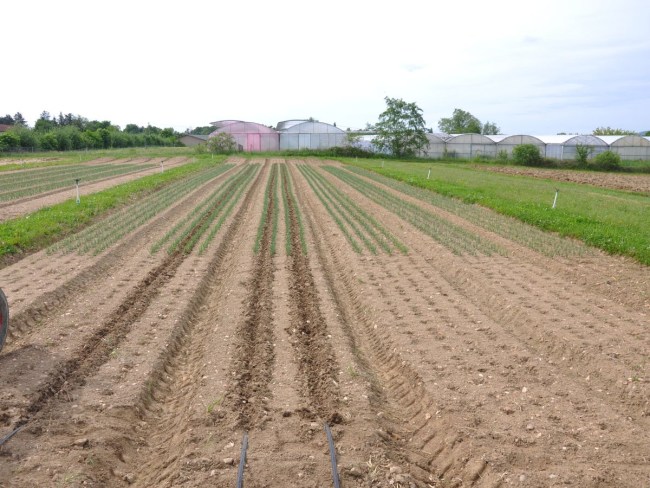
(67, 132)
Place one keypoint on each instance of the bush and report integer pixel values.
(607, 160)
(582, 154)
(527, 154)
(9, 141)
(502, 156)
(222, 143)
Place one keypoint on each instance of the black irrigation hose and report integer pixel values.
(335, 471)
(9, 436)
(242, 461)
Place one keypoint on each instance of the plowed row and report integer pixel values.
(433, 366)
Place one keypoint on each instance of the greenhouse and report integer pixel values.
(629, 147)
(436, 147)
(508, 143)
(564, 146)
(309, 134)
(249, 136)
(470, 146)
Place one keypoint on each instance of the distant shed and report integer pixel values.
(309, 134)
(249, 136)
(193, 139)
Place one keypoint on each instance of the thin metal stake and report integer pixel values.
(77, 183)
(242, 461)
(555, 199)
(429, 174)
(162, 169)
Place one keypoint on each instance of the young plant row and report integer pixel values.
(289, 201)
(350, 217)
(453, 237)
(270, 202)
(99, 236)
(220, 203)
(30, 183)
(507, 227)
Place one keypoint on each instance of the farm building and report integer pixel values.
(193, 139)
(309, 134)
(564, 146)
(249, 136)
(629, 147)
(470, 146)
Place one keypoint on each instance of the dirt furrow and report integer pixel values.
(254, 357)
(316, 359)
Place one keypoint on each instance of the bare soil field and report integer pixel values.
(23, 206)
(628, 182)
(433, 366)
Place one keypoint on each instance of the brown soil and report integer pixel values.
(431, 368)
(23, 206)
(630, 182)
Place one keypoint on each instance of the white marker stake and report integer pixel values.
(162, 170)
(382, 164)
(429, 174)
(77, 183)
(555, 199)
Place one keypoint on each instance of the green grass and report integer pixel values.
(42, 228)
(615, 221)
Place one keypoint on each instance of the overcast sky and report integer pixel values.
(531, 67)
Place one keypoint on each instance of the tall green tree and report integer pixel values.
(490, 128)
(401, 129)
(20, 120)
(461, 122)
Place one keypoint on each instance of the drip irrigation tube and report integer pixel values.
(242, 461)
(335, 471)
(10, 435)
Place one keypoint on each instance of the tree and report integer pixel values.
(222, 143)
(20, 120)
(461, 122)
(608, 131)
(204, 130)
(401, 129)
(7, 120)
(490, 128)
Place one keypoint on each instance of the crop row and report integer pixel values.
(350, 217)
(29, 183)
(543, 242)
(453, 237)
(218, 204)
(270, 199)
(106, 232)
(289, 200)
